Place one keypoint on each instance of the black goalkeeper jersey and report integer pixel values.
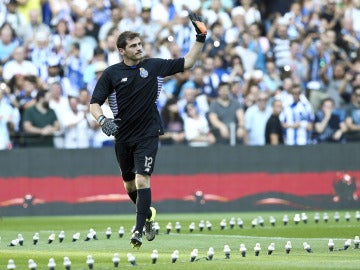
(132, 93)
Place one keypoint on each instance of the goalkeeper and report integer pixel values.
(132, 88)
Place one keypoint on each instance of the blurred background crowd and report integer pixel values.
(271, 72)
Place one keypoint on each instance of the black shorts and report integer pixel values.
(136, 157)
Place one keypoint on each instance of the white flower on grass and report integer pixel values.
(51, 264)
(271, 248)
(243, 250)
(116, 259)
(32, 264)
(331, 245)
(154, 256)
(11, 265)
(193, 254)
(210, 253)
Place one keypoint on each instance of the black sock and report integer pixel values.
(142, 207)
(133, 196)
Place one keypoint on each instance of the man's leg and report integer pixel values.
(132, 192)
(144, 159)
(130, 188)
(143, 201)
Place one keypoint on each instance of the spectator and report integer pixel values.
(60, 104)
(320, 62)
(236, 69)
(216, 13)
(272, 79)
(328, 125)
(29, 30)
(99, 67)
(19, 65)
(42, 53)
(241, 49)
(280, 42)
(183, 32)
(84, 100)
(294, 20)
(8, 42)
(74, 69)
(101, 14)
(40, 123)
(99, 138)
(249, 10)
(26, 96)
(238, 27)
(332, 14)
(174, 85)
(173, 124)
(26, 7)
(258, 44)
(92, 28)
(12, 17)
(256, 117)
(274, 133)
(110, 48)
(237, 92)
(211, 79)
(353, 117)
(61, 38)
(61, 10)
(196, 127)
(215, 44)
(55, 73)
(7, 121)
(149, 29)
(297, 119)
(286, 95)
(115, 18)
(298, 66)
(89, 72)
(196, 79)
(191, 95)
(87, 43)
(350, 36)
(353, 12)
(163, 13)
(339, 86)
(131, 20)
(224, 114)
(77, 126)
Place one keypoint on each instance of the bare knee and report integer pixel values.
(130, 186)
(142, 181)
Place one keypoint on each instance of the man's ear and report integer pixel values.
(121, 51)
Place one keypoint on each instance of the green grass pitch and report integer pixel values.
(103, 249)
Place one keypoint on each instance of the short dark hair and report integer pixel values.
(355, 89)
(40, 94)
(222, 83)
(325, 100)
(124, 37)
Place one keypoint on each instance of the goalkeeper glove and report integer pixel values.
(108, 125)
(199, 26)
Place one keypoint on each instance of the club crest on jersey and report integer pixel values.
(143, 73)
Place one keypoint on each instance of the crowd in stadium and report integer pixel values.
(271, 72)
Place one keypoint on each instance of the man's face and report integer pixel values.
(224, 92)
(357, 96)
(296, 92)
(133, 50)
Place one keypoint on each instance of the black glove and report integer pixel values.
(200, 27)
(108, 125)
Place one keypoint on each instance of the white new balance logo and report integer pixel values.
(124, 79)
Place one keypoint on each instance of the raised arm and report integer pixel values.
(195, 50)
